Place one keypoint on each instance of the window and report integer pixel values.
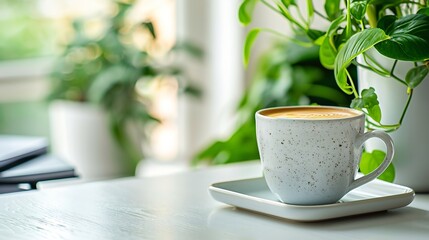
(31, 29)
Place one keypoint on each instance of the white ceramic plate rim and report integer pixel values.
(403, 198)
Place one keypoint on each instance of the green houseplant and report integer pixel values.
(106, 71)
(396, 29)
(344, 45)
(286, 74)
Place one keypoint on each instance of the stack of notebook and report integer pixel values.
(25, 160)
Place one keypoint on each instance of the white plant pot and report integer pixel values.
(411, 159)
(81, 135)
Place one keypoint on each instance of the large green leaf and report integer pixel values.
(423, 11)
(369, 97)
(248, 43)
(327, 52)
(370, 161)
(246, 10)
(332, 8)
(416, 75)
(358, 8)
(369, 101)
(356, 45)
(232, 150)
(409, 37)
(111, 76)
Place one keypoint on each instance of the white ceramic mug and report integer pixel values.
(308, 161)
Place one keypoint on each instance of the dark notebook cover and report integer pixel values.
(15, 150)
(41, 168)
(11, 188)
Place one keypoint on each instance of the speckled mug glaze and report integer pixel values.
(314, 161)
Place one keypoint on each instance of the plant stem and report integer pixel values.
(271, 7)
(357, 64)
(321, 15)
(393, 127)
(399, 11)
(301, 43)
(399, 80)
(382, 71)
(372, 126)
(392, 70)
(380, 68)
(349, 22)
(285, 13)
(302, 17)
(355, 93)
(410, 96)
(392, 74)
(310, 12)
(362, 26)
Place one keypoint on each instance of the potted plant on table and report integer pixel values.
(101, 87)
(358, 33)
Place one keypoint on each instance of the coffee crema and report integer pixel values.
(310, 113)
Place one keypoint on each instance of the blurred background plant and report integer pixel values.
(114, 63)
(80, 50)
(287, 74)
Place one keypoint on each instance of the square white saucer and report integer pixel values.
(254, 194)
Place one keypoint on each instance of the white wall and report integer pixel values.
(213, 26)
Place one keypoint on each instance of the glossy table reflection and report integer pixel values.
(180, 207)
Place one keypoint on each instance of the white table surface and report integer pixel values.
(179, 207)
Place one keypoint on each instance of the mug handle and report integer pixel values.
(360, 140)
